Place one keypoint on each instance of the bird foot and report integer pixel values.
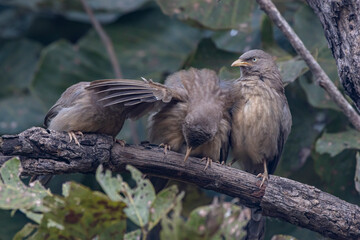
(166, 147)
(208, 162)
(72, 135)
(121, 142)
(226, 164)
(264, 176)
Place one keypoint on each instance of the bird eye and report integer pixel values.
(254, 59)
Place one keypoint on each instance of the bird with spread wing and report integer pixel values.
(191, 114)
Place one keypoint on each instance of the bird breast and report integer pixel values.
(256, 118)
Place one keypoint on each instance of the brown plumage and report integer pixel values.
(82, 109)
(190, 113)
(261, 120)
(79, 109)
(196, 123)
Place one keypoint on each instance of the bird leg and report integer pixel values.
(121, 142)
(265, 175)
(187, 154)
(208, 162)
(166, 147)
(72, 135)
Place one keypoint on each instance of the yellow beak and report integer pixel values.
(240, 63)
(188, 151)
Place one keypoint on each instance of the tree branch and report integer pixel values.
(49, 152)
(340, 20)
(321, 78)
(112, 56)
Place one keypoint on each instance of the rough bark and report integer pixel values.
(48, 152)
(340, 20)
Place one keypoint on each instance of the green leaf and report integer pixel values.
(335, 143)
(25, 231)
(162, 205)
(134, 235)
(18, 109)
(17, 65)
(172, 225)
(292, 69)
(309, 29)
(208, 56)
(243, 38)
(61, 65)
(226, 73)
(14, 194)
(357, 172)
(36, 217)
(138, 199)
(82, 214)
(20, 112)
(316, 95)
(307, 25)
(215, 221)
(327, 62)
(13, 26)
(211, 14)
(150, 46)
(337, 174)
(307, 124)
(283, 237)
(104, 10)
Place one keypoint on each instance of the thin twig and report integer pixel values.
(112, 56)
(104, 38)
(321, 78)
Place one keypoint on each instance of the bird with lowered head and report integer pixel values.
(193, 120)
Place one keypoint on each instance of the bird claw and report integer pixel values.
(264, 177)
(72, 135)
(208, 162)
(166, 147)
(121, 142)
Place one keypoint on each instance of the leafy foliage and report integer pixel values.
(334, 143)
(18, 108)
(62, 64)
(15, 194)
(211, 14)
(84, 214)
(144, 207)
(215, 221)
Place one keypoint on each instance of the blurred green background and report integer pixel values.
(48, 45)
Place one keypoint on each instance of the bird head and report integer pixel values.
(198, 130)
(259, 63)
(255, 62)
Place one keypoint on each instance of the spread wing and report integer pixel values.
(131, 92)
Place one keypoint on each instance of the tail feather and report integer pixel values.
(43, 179)
(256, 226)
